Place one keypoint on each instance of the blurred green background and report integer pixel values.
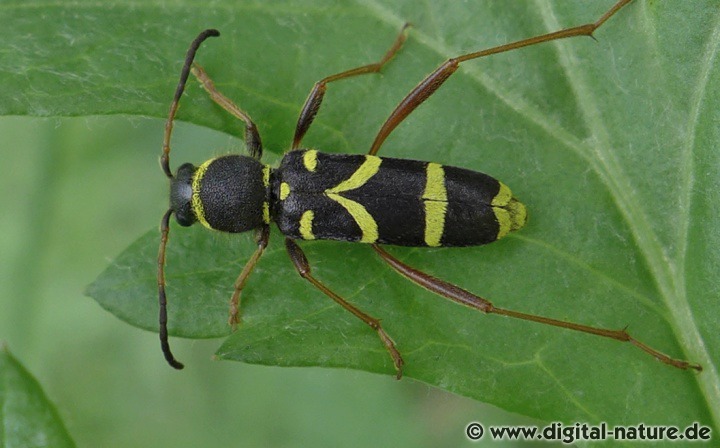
(76, 193)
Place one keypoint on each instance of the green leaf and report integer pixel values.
(27, 418)
(610, 144)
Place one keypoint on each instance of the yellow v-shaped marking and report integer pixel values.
(362, 217)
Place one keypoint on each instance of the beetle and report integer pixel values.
(354, 198)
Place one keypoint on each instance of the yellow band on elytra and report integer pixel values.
(368, 169)
(306, 225)
(510, 213)
(435, 200)
(362, 217)
(359, 213)
(502, 197)
(310, 160)
(284, 190)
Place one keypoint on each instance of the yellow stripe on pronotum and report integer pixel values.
(435, 200)
(266, 184)
(266, 175)
(196, 202)
(266, 212)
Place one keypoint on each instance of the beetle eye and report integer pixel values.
(181, 195)
(185, 216)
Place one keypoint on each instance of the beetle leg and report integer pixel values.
(262, 237)
(434, 80)
(463, 297)
(303, 267)
(314, 99)
(252, 136)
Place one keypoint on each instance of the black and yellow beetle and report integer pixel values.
(354, 198)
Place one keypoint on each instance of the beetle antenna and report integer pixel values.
(165, 158)
(162, 298)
